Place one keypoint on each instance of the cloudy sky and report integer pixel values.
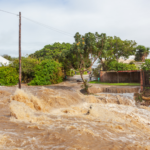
(128, 19)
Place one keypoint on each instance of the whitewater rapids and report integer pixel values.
(39, 118)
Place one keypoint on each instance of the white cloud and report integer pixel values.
(126, 19)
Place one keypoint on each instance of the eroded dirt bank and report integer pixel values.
(61, 118)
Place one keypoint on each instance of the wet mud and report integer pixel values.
(51, 118)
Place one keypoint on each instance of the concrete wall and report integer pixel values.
(124, 77)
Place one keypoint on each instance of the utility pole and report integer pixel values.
(19, 50)
(117, 63)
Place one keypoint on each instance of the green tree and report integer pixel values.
(64, 59)
(85, 51)
(141, 53)
(115, 49)
(51, 51)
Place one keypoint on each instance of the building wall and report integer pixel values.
(4, 61)
(124, 77)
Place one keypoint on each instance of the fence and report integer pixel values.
(146, 79)
(132, 76)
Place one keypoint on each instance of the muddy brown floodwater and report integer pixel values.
(61, 118)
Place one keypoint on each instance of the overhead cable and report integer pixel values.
(46, 26)
(9, 12)
(49, 27)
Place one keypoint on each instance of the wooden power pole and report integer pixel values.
(19, 50)
(117, 63)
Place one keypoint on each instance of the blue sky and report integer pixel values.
(126, 19)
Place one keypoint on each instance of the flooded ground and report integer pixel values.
(61, 118)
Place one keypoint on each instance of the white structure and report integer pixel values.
(138, 64)
(4, 61)
(127, 61)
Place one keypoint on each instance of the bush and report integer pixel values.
(47, 72)
(70, 73)
(27, 67)
(114, 65)
(8, 76)
(78, 73)
(146, 65)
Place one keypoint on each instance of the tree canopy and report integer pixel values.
(141, 53)
(51, 51)
(80, 56)
(84, 51)
(116, 48)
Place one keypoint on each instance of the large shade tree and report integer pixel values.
(85, 51)
(141, 53)
(64, 59)
(116, 48)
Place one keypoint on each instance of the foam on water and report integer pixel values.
(59, 119)
(119, 98)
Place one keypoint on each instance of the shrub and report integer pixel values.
(8, 75)
(78, 73)
(27, 67)
(146, 65)
(70, 73)
(114, 65)
(47, 72)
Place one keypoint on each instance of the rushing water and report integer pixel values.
(40, 118)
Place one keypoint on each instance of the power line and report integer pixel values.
(46, 26)
(49, 27)
(9, 12)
